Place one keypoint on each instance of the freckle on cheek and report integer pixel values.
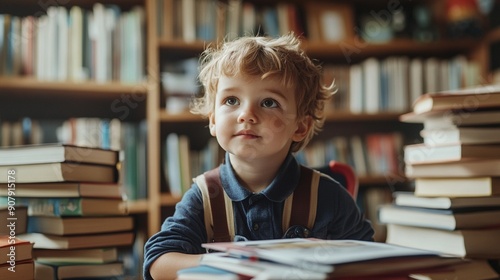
(278, 123)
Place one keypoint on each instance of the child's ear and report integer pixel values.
(303, 128)
(211, 124)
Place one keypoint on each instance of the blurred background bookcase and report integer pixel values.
(368, 40)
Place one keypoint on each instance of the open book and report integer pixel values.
(334, 257)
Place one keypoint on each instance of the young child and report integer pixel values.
(264, 101)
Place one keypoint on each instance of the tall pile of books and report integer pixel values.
(77, 218)
(455, 206)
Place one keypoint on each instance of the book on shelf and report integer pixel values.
(67, 190)
(469, 98)
(333, 258)
(321, 16)
(471, 243)
(445, 219)
(165, 18)
(422, 153)
(458, 187)
(92, 255)
(445, 201)
(50, 241)
(74, 206)
(461, 135)
(50, 153)
(205, 20)
(57, 271)
(371, 80)
(180, 84)
(455, 169)
(79, 225)
(61, 172)
(177, 166)
(14, 213)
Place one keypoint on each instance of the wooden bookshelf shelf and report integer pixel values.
(367, 181)
(351, 117)
(85, 99)
(362, 49)
(76, 89)
(196, 46)
(167, 199)
(138, 206)
(357, 47)
(166, 117)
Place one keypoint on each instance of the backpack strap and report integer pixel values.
(301, 206)
(218, 208)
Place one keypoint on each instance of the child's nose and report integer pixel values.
(247, 114)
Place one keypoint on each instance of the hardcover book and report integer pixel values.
(455, 169)
(61, 172)
(470, 243)
(19, 215)
(93, 255)
(474, 186)
(461, 135)
(50, 241)
(48, 153)
(74, 206)
(24, 270)
(447, 201)
(22, 252)
(66, 190)
(57, 271)
(439, 218)
(479, 97)
(79, 225)
(421, 153)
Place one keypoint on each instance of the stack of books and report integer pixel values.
(77, 218)
(455, 205)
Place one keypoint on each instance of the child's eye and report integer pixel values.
(270, 103)
(231, 101)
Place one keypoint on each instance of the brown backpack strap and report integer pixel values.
(218, 208)
(301, 206)
(218, 220)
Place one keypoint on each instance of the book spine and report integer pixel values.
(55, 207)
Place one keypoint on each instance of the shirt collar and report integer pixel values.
(280, 188)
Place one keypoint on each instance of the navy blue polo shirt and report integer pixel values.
(258, 215)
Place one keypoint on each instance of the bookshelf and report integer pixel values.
(29, 97)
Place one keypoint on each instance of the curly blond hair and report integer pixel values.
(280, 57)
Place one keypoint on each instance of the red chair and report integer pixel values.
(344, 174)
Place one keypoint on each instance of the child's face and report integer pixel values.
(255, 118)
